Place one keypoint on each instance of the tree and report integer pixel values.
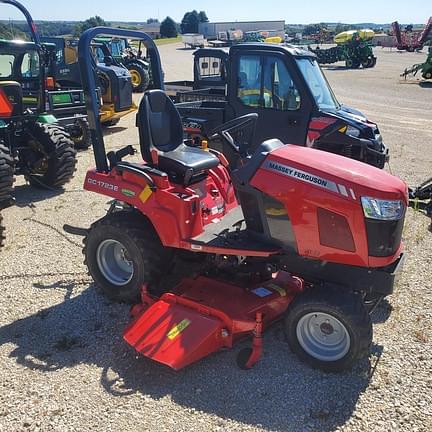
(152, 21)
(190, 22)
(168, 28)
(343, 27)
(202, 16)
(311, 29)
(95, 21)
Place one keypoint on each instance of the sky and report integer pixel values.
(303, 12)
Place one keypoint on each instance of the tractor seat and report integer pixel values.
(161, 141)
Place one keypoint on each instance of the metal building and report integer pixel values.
(210, 30)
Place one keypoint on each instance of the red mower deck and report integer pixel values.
(204, 315)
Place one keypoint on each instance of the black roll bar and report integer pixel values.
(89, 82)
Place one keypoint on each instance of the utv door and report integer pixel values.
(269, 84)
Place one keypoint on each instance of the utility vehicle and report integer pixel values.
(286, 87)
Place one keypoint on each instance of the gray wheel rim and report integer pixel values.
(113, 262)
(323, 336)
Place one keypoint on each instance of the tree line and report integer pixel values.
(168, 27)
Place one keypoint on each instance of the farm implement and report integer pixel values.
(353, 47)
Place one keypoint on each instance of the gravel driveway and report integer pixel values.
(65, 367)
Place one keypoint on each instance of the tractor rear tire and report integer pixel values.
(123, 253)
(7, 169)
(83, 140)
(56, 155)
(140, 76)
(328, 328)
(2, 232)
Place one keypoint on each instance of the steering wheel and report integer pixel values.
(225, 131)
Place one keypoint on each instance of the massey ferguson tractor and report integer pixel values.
(280, 233)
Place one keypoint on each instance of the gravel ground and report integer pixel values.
(64, 366)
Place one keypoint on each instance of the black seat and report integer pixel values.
(161, 141)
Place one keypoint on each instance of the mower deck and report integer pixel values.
(231, 233)
(203, 315)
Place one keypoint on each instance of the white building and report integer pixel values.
(211, 30)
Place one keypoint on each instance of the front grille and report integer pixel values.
(384, 237)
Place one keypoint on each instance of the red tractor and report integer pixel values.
(216, 249)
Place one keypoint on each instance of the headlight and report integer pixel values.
(352, 131)
(374, 208)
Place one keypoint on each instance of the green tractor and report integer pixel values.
(354, 47)
(424, 68)
(130, 54)
(32, 143)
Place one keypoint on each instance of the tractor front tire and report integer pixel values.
(328, 328)
(54, 157)
(82, 140)
(140, 76)
(7, 168)
(123, 253)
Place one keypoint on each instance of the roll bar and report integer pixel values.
(28, 17)
(89, 82)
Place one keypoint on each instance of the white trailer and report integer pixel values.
(193, 40)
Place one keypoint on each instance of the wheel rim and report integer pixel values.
(113, 262)
(323, 336)
(136, 77)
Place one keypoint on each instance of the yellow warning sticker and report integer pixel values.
(277, 288)
(177, 329)
(145, 194)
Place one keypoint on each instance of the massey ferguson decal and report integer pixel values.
(309, 178)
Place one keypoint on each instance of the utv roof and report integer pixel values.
(292, 50)
(17, 45)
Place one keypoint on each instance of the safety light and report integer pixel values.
(50, 83)
(390, 210)
(6, 107)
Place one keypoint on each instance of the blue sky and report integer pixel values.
(307, 11)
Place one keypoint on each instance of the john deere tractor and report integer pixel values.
(132, 57)
(354, 47)
(32, 143)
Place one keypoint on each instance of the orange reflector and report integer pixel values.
(6, 107)
(49, 83)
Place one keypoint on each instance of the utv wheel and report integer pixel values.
(82, 137)
(51, 157)
(427, 75)
(140, 77)
(6, 177)
(123, 253)
(328, 329)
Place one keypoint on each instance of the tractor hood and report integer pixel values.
(329, 170)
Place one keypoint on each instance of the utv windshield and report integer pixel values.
(24, 65)
(318, 85)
